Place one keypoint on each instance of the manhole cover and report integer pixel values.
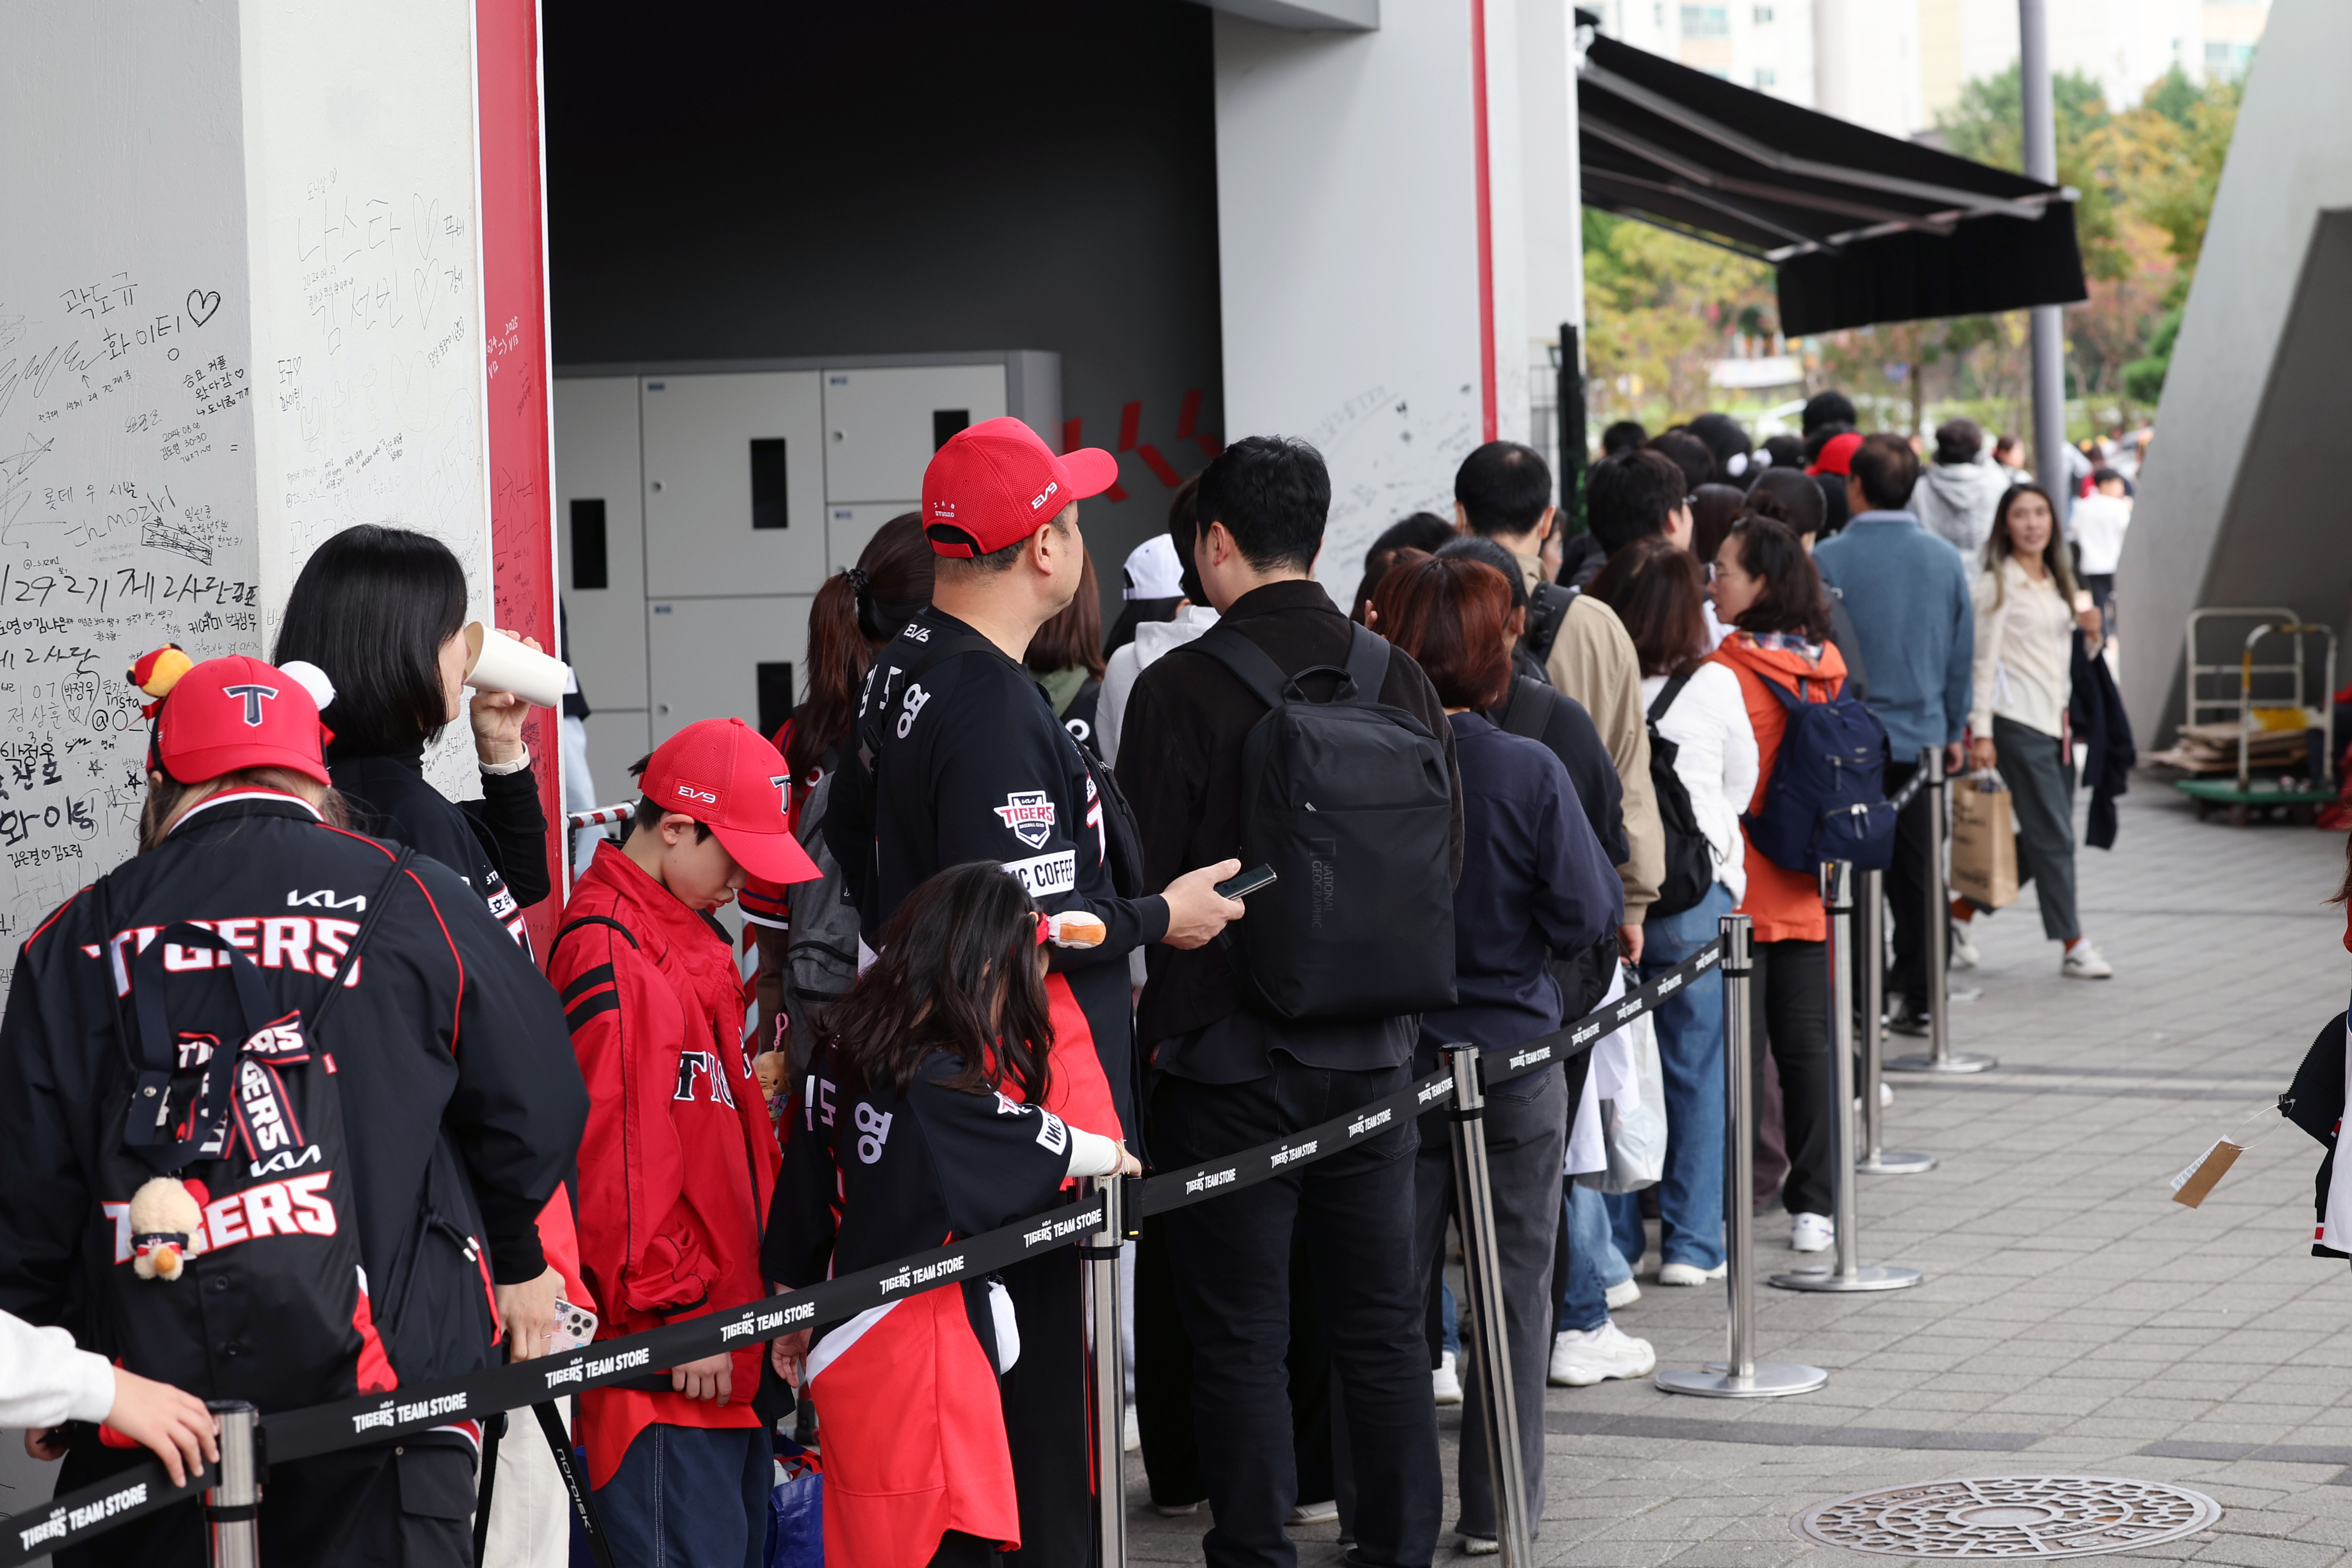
(2009, 1516)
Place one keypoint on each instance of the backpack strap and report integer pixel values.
(1366, 670)
(1666, 696)
(350, 965)
(1529, 710)
(872, 728)
(1546, 613)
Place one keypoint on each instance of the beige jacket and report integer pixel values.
(1593, 660)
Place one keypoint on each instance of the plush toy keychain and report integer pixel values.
(164, 1216)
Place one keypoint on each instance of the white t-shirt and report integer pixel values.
(1153, 639)
(1715, 757)
(2096, 527)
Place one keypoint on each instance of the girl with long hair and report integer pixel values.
(1065, 656)
(2028, 610)
(921, 1123)
(857, 610)
(1767, 590)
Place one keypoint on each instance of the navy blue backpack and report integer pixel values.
(1827, 797)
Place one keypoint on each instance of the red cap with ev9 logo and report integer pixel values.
(996, 483)
(725, 775)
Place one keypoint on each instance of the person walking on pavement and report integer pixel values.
(1907, 593)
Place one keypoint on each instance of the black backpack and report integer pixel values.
(1350, 803)
(1690, 859)
(1548, 605)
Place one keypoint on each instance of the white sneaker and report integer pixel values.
(1688, 1273)
(1130, 1432)
(1580, 1358)
(1624, 1293)
(1176, 1510)
(1885, 1094)
(1314, 1513)
(2085, 962)
(1810, 1233)
(1963, 952)
(1478, 1545)
(1445, 1383)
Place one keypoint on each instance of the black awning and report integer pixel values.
(1863, 227)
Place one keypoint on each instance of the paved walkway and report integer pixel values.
(2073, 1319)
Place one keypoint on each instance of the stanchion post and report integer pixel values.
(233, 1502)
(1937, 916)
(1101, 1251)
(1740, 1375)
(1870, 955)
(1482, 1271)
(1848, 1273)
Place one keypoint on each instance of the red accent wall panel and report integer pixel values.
(514, 292)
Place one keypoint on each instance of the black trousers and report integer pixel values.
(395, 1505)
(1355, 1213)
(1907, 885)
(1794, 976)
(1047, 1415)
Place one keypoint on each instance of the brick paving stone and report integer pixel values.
(2069, 1306)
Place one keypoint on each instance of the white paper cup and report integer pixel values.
(502, 664)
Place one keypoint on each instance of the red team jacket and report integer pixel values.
(678, 1164)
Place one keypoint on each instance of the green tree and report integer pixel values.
(1659, 309)
(1988, 124)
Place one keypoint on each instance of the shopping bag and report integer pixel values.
(796, 1514)
(1633, 1120)
(1984, 841)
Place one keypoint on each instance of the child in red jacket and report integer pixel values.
(678, 1163)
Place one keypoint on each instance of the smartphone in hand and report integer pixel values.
(1249, 881)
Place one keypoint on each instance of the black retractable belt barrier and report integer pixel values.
(76, 1517)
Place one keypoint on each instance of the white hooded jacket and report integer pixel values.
(1956, 501)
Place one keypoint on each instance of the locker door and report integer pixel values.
(600, 538)
(734, 492)
(727, 658)
(849, 529)
(882, 426)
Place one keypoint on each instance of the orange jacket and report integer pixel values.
(1785, 906)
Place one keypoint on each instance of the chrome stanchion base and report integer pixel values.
(1892, 1162)
(1772, 1379)
(1872, 1276)
(1958, 1061)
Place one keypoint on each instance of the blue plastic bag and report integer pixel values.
(796, 1514)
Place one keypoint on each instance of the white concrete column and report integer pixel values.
(239, 311)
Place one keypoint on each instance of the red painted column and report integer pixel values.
(520, 455)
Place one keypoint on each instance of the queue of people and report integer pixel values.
(1508, 782)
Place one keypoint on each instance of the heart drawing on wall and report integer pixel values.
(202, 305)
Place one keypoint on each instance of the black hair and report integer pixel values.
(1958, 441)
(958, 973)
(1687, 452)
(1424, 531)
(1477, 546)
(1184, 529)
(1503, 488)
(1726, 439)
(1821, 436)
(1886, 469)
(1632, 494)
(855, 611)
(1787, 451)
(1789, 496)
(1827, 408)
(1273, 494)
(2101, 476)
(647, 817)
(1622, 436)
(373, 607)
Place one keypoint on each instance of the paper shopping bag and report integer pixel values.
(1984, 843)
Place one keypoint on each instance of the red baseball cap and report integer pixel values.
(995, 484)
(725, 775)
(1837, 453)
(237, 712)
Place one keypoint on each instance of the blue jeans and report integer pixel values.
(1690, 1053)
(689, 1497)
(1593, 1262)
(1451, 1320)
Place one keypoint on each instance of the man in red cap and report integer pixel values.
(961, 758)
(679, 1161)
(415, 1066)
